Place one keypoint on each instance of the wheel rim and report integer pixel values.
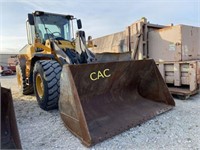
(39, 85)
(19, 79)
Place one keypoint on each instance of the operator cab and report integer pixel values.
(52, 26)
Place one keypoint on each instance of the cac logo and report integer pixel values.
(100, 74)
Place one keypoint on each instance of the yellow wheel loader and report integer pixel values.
(96, 100)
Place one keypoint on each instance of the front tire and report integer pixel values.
(46, 80)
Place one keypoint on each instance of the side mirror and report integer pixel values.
(30, 19)
(90, 42)
(89, 38)
(79, 24)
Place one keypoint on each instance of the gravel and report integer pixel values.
(176, 129)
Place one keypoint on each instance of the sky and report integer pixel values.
(99, 17)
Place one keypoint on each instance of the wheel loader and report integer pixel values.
(96, 100)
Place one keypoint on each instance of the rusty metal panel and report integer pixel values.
(182, 73)
(9, 132)
(184, 67)
(133, 39)
(164, 44)
(177, 74)
(170, 43)
(193, 76)
(169, 67)
(100, 100)
(190, 37)
(115, 43)
(169, 79)
(185, 80)
(138, 37)
(110, 57)
(175, 43)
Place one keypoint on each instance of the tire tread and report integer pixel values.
(51, 71)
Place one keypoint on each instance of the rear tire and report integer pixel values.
(46, 80)
(24, 88)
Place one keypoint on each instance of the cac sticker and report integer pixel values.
(97, 75)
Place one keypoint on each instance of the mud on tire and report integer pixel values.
(25, 88)
(48, 71)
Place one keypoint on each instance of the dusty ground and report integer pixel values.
(176, 129)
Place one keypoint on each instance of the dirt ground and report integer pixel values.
(176, 129)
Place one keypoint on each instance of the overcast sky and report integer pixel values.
(99, 17)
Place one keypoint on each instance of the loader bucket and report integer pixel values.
(98, 101)
(9, 132)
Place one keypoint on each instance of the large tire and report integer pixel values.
(46, 80)
(24, 88)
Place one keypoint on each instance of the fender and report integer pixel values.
(35, 58)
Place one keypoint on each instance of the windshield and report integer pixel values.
(52, 26)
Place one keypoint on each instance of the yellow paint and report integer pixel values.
(39, 85)
(91, 76)
(28, 67)
(105, 74)
(66, 44)
(97, 75)
(46, 50)
(19, 79)
(29, 50)
(47, 44)
(100, 75)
